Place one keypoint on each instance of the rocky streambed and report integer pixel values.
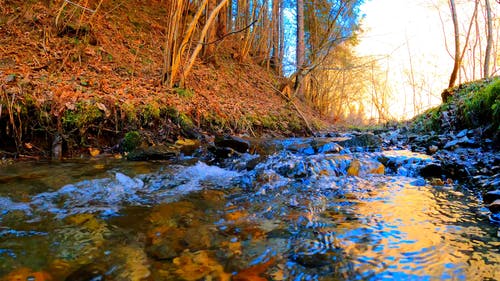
(343, 206)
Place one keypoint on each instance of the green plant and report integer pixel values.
(84, 114)
(481, 105)
(269, 122)
(184, 121)
(151, 111)
(131, 141)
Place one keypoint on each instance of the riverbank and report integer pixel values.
(82, 87)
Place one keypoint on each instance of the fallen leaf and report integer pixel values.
(278, 275)
(28, 145)
(70, 106)
(103, 108)
(380, 169)
(94, 151)
(25, 273)
(198, 265)
(253, 273)
(236, 215)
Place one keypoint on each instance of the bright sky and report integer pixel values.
(404, 29)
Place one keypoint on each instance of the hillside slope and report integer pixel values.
(93, 77)
(473, 105)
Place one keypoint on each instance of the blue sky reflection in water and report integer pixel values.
(299, 210)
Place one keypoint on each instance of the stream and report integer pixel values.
(289, 211)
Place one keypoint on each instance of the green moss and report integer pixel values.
(184, 121)
(269, 122)
(131, 141)
(151, 112)
(482, 105)
(295, 125)
(130, 111)
(471, 105)
(84, 114)
(430, 120)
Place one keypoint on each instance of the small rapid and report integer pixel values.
(290, 211)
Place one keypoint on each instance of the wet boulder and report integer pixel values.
(188, 146)
(329, 147)
(460, 142)
(491, 196)
(361, 140)
(87, 272)
(158, 152)
(237, 144)
(431, 170)
(495, 206)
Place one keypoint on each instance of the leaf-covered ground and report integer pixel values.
(92, 77)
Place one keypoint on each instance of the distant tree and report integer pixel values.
(458, 54)
(301, 48)
(276, 35)
(489, 40)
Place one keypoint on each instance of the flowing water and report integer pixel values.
(295, 214)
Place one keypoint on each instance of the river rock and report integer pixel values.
(432, 149)
(159, 152)
(462, 133)
(87, 272)
(363, 140)
(431, 170)
(238, 144)
(451, 144)
(188, 146)
(463, 142)
(330, 147)
(491, 196)
(495, 206)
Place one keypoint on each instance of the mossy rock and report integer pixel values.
(159, 152)
(131, 141)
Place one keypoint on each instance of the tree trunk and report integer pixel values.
(203, 35)
(300, 52)
(275, 60)
(222, 22)
(456, 65)
(209, 49)
(489, 41)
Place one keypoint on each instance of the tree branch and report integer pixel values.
(231, 33)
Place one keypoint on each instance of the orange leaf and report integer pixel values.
(94, 151)
(354, 168)
(253, 273)
(24, 273)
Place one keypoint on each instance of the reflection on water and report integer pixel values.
(295, 216)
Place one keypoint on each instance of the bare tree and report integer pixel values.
(489, 41)
(301, 48)
(458, 55)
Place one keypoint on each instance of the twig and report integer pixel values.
(231, 33)
(308, 127)
(80, 6)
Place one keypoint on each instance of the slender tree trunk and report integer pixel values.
(456, 65)
(300, 52)
(276, 63)
(209, 49)
(282, 35)
(222, 21)
(203, 35)
(229, 25)
(489, 41)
